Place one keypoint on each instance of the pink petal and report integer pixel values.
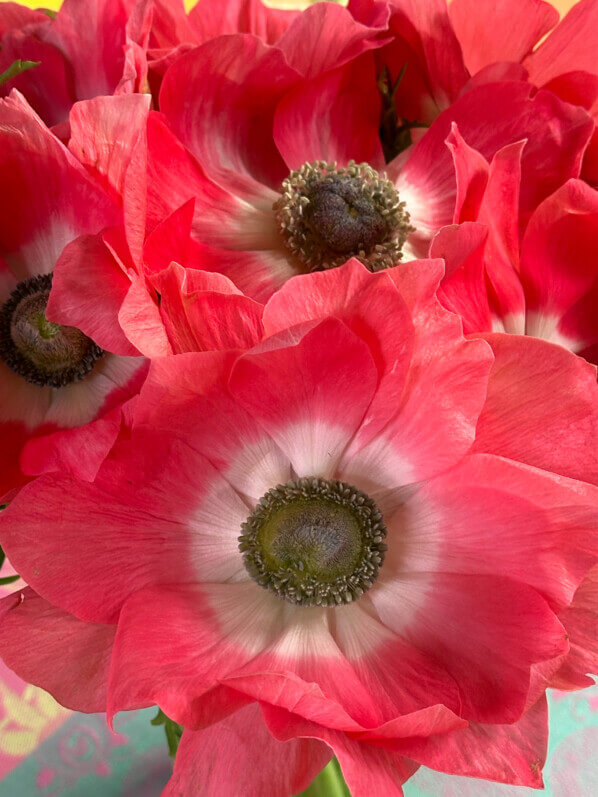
(108, 135)
(490, 195)
(79, 451)
(334, 117)
(488, 517)
(487, 631)
(371, 306)
(139, 318)
(240, 756)
(239, 16)
(471, 170)
(313, 418)
(464, 289)
(204, 312)
(88, 289)
(47, 87)
(221, 219)
(513, 753)
(490, 117)
(172, 528)
(424, 38)
(175, 645)
(432, 429)
(570, 47)
(507, 32)
(558, 268)
(367, 769)
(91, 33)
(326, 37)
(240, 81)
(52, 649)
(581, 622)
(14, 15)
(104, 134)
(183, 391)
(527, 415)
(35, 169)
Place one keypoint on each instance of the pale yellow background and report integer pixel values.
(562, 5)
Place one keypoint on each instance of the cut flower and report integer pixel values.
(358, 409)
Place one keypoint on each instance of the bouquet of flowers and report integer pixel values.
(299, 408)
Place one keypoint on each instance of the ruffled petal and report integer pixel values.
(313, 418)
(507, 32)
(205, 312)
(52, 649)
(528, 417)
(513, 753)
(558, 265)
(88, 288)
(35, 169)
(239, 755)
(334, 118)
(240, 80)
(176, 644)
(569, 48)
(181, 520)
(187, 396)
(490, 117)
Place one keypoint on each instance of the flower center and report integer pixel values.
(314, 542)
(40, 351)
(327, 215)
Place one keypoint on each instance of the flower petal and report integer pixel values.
(239, 755)
(52, 649)
(180, 527)
(508, 32)
(310, 398)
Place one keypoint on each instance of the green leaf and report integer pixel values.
(329, 783)
(172, 729)
(48, 12)
(16, 68)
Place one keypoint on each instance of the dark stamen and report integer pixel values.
(42, 352)
(314, 542)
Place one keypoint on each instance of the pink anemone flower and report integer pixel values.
(62, 382)
(289, 175)
(91, 48)
(297, 548)
(513, 272)
(435, 52)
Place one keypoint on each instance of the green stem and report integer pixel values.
(329, 783)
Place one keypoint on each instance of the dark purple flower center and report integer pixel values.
(326, 215)
(42, 352)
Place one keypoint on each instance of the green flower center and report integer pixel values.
(42, 352)
(314, 542)
(327, 215)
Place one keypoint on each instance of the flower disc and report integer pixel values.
(42, 352)
(326, 215)
(314, 542)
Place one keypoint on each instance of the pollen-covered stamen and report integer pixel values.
(42, 352)
(327, 215)
(314, 542)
